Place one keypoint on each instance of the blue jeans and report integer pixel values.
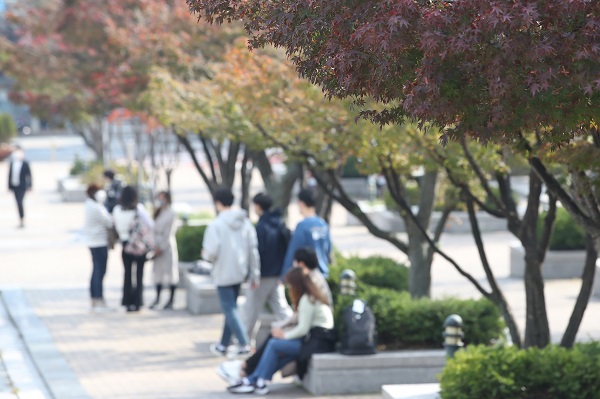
(277, 354)
(99, 260)
(233, 324)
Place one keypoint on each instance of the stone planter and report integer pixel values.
(596, 287)
(71, 189)
(457, 223)
(557, 265)
(337, 374)
(201, 294)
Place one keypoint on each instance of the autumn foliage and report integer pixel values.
(492, 68)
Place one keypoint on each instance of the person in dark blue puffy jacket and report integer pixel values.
(273, 238)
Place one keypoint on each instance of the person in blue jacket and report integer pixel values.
(311, 232)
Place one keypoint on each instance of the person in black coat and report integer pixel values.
(19, 180)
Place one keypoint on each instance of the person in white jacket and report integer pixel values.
(97, 222)
(230, 243)
(166, 259)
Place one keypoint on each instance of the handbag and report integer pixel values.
(113, 237)
(141, 237)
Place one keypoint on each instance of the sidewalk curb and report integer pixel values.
(55, 372)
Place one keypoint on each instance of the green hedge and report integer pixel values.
(377, 271)
(509, 373)
(403, 322)
(567, 235)
(189, 242)
(8, 129)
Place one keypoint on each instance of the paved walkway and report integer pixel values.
(65, 351)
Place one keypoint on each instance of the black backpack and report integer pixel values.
(359, 333)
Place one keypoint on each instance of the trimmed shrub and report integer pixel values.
(377, 271)
(8, 129)
(509, 373)
(567, 235)
(403, 322)
(189, 242)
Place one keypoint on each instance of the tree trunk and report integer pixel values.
(91, 133)
(246, 177)
(418, 246)
(587, 282)
(420, 268)
(537, 330)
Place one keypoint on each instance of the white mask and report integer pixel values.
(100, 196)
(158, 203)
(18, 155)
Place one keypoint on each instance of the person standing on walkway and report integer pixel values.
(19, 180)
(124, 215)
(311, 232)
(166, 259)
(230, 243)
(114, 186)
(97, 222)
(273, 238)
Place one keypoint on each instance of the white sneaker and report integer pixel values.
(261, 390)
(230, 371)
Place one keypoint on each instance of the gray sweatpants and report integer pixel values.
(269, 291)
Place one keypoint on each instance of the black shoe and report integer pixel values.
(241, 388)
(154, 305)
(168, 306)
(133, 308)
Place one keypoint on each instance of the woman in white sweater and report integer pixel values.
(97, 222)
(313, 313)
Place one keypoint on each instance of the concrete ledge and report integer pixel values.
(411, 391)
(557, 265)
(337, 374)
(183, 269)
(201, 294)
(53, 368)
(71, 189)
(596, 286)
(457, 223)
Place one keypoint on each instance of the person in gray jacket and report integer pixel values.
(230, 243)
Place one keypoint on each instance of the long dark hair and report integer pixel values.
(300, 283)
(129, 198)
(167, 196)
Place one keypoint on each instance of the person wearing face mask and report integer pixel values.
(166, 259)
(96, 225)
(19, 180)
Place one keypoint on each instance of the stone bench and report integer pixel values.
(337, 374)
(411, 391)
(201, 294)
